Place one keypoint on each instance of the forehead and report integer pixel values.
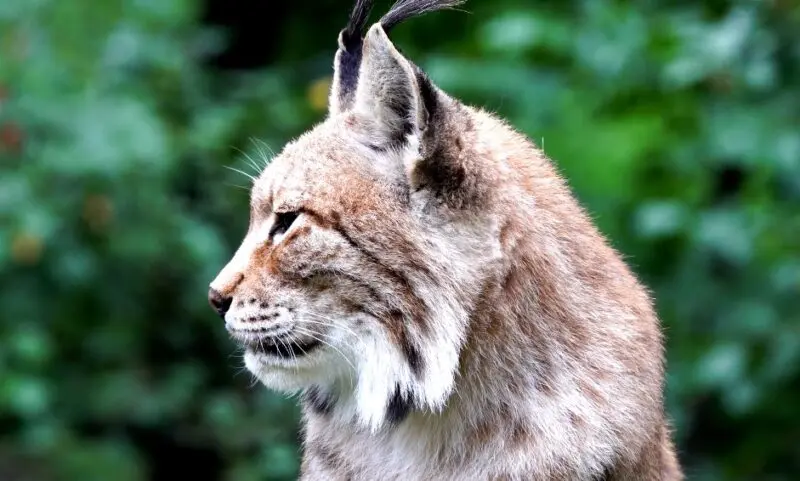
(324, 163)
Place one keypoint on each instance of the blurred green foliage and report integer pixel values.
(676, 122)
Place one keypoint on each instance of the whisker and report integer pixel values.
(329, 323)
(291, 353)
(252, 163)
(253, 381)
(336, 322)
(301, 347)
(264, 158)
(237, 186)
(249, 160)
(323, 341)
(243, 369)
(260, 146)
(252, 178)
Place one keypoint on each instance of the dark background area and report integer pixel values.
(677, 123)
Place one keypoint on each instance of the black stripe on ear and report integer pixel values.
(349, 58)
(403, 109)
(349, 63)
(428, 94)
(404, 9)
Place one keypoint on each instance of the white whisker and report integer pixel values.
(329, 323)
(291, 353)
(237, 186)
(323, 341)
(252, 178)
(260, 146)
(249, 160)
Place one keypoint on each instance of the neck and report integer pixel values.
(527, 387)
(559, 353)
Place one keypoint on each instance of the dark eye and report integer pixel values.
(283, 221)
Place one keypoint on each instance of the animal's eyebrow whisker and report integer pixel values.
(264, 150)
(250, 161)
(234, 169)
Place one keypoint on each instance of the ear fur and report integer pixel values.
(388, 96)
(397, 108)
(348, 58)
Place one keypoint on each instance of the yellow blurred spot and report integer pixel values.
(97, 211)
(26, 249)
(318, 93)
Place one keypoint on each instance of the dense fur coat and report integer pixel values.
(421, 274)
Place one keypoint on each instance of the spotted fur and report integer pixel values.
(446, 308)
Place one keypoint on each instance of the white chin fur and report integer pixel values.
(366, 392)
(291, 376)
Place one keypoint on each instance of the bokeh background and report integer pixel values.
(676, 122)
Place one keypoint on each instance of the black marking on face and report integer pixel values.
(319, 401)
(400, 405)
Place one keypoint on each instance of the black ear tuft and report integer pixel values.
(356, 25)
(405, 9)
(347, 63)
(348, 58)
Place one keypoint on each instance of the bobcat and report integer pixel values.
(422, 276)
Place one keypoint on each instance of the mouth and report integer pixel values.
(279, 346)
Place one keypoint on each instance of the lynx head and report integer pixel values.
(368, 243)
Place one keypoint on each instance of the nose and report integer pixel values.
(219, 302)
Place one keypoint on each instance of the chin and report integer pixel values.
(291, 375)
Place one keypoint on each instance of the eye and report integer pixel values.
(283, 221)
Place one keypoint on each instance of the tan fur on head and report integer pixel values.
(422, 275)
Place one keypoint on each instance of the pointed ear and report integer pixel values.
(388, 95)
(347, 61)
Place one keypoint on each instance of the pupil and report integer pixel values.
(283, 222)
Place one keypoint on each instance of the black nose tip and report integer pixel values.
(220, 303)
